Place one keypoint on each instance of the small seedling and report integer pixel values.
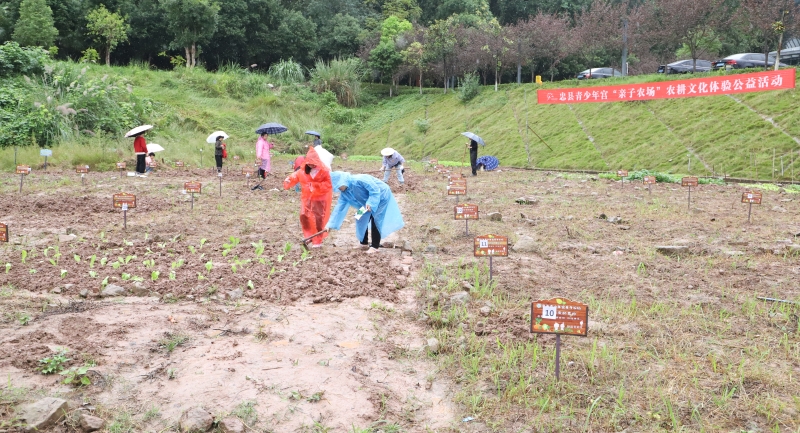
(172, 275)
(125, 276)
(149, 263)
(77, 258)
(93, 274)
(154, 275)
(8, 267)
(32, 271)
(209, 265)
(192, 249)
(104, 283)
(250, 285)
(24, 256)
(91, 260)
(63, 273)
(77, 375)
(129, 258)
(171, 341)
(317, 396)
(54, 363)
(259, 248)
(24, 319)
(103, 261)
(203, 242)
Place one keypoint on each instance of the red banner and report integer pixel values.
(709, 86)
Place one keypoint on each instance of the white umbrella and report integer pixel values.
(138, 130)
(153, 148)
(213, 137)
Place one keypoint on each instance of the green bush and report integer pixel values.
(469, 87)
(15, 60)
(340, 76)
(422, 125)
(287, 72)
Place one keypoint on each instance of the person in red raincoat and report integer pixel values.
(316, 196)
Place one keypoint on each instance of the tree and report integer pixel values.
(767, 20)
(296, 38)
(595, 30)
(109, 28)
(340, 37)
(551, 40)
(440, 43)
(414, 57)
(190, 22)
(497, 47)
(403, 9)
(691, 22)
(35, 24)
(387, 57)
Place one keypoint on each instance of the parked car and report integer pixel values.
(685, 67)
(745, 60)
(599, 73)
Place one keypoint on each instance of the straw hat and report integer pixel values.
(387, 151)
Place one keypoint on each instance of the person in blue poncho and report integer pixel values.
(487, 162)
(372, 197)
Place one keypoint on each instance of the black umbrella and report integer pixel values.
(271, 128)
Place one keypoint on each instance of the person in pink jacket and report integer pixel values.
(262, 153)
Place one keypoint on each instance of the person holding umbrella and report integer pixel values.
(375, 205)
(220, 152)
(317, 140)
(392, 160)
(263, 146)
(316, 196)
(140, 148)
(472, 145)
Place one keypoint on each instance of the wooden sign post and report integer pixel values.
(457, 186)
(690, 181)
(466, 212)
(82, 170)
(3, 232)
(121, 166)
(649, 181)
(559, 316)
(491, 246)
(220, 183)
(180, 164)
(751, 198)
(623, 174)
(124, 201)
(248, 173)
(45, 153)
(22, 171)
(193, 188)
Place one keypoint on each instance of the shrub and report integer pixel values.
(90, 55)
(15, 60)
(287, 72)
(469, 87)
(422, 125)
(340, 76)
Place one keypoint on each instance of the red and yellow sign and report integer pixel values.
(689, 181)
(491, 245)
(622, 173)
(709, 86)
(649, 180)
(751, 197)
(559, 316)
(193, 187)
(466, 211)
(179, 164)
(124, 201)
(23, 169)
(121, 165)
(82, 169)
(3, 232)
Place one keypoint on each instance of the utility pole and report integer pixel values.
(625, 47)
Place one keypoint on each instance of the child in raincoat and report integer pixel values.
(316, 196)
(262, 153)
(382, 213)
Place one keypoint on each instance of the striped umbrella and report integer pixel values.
(489, 162)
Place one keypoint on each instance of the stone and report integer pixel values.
(84, 293)
(433, 345)
(231, 425)
(467, 286)
(112, 290)
(434, 230)
(91, 423)
(196, 420)
(407, 246)
(614, 220)
(43, 414)
(139, 289)
(236, 294)
(526, 244)
(495, 216)
(794, 248)
(460, 298)
(431, 248)
(56, 291)
(387, 244)
(480, 328)
(734, 253)
(67, 238)
(486, 310)
(778, 209)
(672, 250)
(527, 200)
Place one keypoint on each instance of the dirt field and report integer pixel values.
(222, 309)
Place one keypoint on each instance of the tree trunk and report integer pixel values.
(420, 81)
(194, 54)
(108, 55)
(188, 57)
(444, 74)
(495, 77)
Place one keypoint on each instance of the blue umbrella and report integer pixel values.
(314, 133)
(489, 162)
(473, 137)
(271, 128)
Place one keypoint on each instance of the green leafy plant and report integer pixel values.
(54, 363)
(103, 261)
(172, 275)
(77, 258)
(24, 256)
(172, 340)
(32, 271)
(129, 258)
(24, 319)
(192, 249)
(104, 283)
(209, 265)
(203, 242)
(125, 276)
(149, 263)
(63, 273)
(77, 375)
(8, 267)
(177, 264)
(91, 260)
(259, 247)
(93, 274)
(154, 275)
(250, 285)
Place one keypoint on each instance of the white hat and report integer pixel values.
(387, 151)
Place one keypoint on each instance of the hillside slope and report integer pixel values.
(723, 134)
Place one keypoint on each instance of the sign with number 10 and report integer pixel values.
(559, 316)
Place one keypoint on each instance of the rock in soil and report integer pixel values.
(113, 290)
(526, 244)
(672, 250)
(236, 294)
(84, 293)
(44, 414)
(66, 238)
(91, 423)
(407, 246)
(231, 425)
(431, 248)
(460, 298)
(495, 216)
(433, 345)
(196, 420)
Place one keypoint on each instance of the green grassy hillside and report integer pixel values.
(725, 136)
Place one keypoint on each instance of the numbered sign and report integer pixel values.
(622, 173)
(466, 211)
(457, 188)
(559, 316)
(179, 164)
(124, 201)
(23, 169)
(491, 246)
(193, 187)
(45, 152)
(82, 169)
(689, 181)
(248, 171)
(121, 165)
(751, 197)
(649, 180)
(3, 232)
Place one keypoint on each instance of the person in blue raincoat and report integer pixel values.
(381, 213)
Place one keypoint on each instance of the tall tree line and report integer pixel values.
(409, 41)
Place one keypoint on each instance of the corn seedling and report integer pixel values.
(91, 260)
